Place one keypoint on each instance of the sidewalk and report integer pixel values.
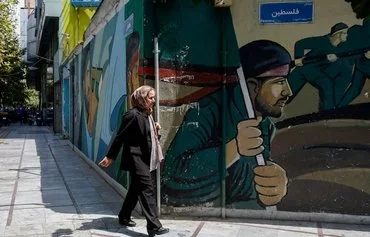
(47, 190)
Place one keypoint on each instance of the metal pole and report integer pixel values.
(156, 68)
(224, 111)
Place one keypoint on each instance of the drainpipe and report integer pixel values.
(156, 85)
(224, 101)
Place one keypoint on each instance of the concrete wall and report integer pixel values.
(23, 28)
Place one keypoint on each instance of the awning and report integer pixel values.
(85, 3)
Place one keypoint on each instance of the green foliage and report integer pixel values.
(360, 7)
(32, 99)
(12, 70)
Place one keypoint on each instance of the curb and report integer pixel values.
(113, 183)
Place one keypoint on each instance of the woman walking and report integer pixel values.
(142, 154)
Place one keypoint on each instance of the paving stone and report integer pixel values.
(5, 200)
(61, 213)
(47, 198)
(7, 186)
(22, 229)
(62, 227)
(28, 216)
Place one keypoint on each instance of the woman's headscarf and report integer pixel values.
(138, 98)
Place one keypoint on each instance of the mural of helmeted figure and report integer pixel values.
(192, 170)
(336, 64)
(132, 62)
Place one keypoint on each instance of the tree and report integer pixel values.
(12, 69)
(32, 98)
(360, 7)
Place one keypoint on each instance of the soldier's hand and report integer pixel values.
(299, 62)
(249, 141)
(271, 183)
(106, 162)
(332, 57)
(367, 54)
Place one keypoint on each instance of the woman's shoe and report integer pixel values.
(127, 222)
(158, 231)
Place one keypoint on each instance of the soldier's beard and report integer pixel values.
(269, 110)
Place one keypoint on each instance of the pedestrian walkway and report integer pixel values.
(46, 189)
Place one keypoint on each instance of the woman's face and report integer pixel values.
(150, 99)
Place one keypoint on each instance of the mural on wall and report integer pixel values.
(336, 64)
(76, 92)
(66, 101)
(360, 7)
(92, 80)
(85, 139)
(332, 145)
(132, 57)
(102, 91)
(194, 156)
(318, 159)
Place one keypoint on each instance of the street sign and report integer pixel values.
(286, 12)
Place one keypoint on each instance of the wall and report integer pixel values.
(23, 27)
(66, 100)
(73, 23)
(99, 89)
(321, 142)
(315, 143)
(316, 151)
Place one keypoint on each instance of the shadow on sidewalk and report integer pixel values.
(54, 186)
(106, 226)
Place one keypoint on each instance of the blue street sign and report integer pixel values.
(85, 3)
(286, 12)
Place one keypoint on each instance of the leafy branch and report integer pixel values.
(360, 7)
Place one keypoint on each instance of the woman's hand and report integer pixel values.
(157, 126)
(106, 162)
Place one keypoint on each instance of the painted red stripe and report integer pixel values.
(15, 189)
(199, 228)
(189, 98)
(320, 232)
(211, 81)
(188, 77)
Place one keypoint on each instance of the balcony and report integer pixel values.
(47, 13)
(31, 38)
